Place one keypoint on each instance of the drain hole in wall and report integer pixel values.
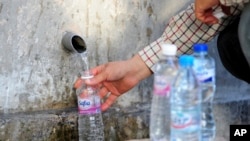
(78, 44)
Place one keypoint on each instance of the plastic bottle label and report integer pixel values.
(88, 106)
(185, 121)
(204, 75)
(161, 86)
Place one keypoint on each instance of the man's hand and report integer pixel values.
(116, 78)
(204, 10)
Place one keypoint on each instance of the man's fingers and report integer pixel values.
(78, 83)
(97, 69)
(200, 15)
(110, 100)
(208, 19)
(211, 20)
(206, 16)
(99, 76)
(103, 92)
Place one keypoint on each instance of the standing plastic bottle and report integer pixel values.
(204, 67)
(185, 103)
(90, 123)
(165, 71)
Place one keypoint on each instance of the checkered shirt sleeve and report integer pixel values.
(232, 2)
(184, 30)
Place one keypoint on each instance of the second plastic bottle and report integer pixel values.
(185, 103)
(204, 67)
(164, 73)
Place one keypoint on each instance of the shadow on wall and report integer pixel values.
(36, 74)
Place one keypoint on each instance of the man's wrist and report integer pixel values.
(141, 70)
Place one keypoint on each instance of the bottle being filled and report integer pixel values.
(185, 102)
(204, 67)
(164, 72)
(90, 123)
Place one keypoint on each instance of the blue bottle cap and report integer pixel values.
(200, 47)
(186, 60)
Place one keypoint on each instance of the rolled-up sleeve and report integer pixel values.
(184, 30)
(233, 2)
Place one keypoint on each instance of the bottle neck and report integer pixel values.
(168, 56)
(169, 59)
(186, 67)
(186, 71)
(86, 76)
(201, 53)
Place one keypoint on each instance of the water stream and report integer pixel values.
(86, 69)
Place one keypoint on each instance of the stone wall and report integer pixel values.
(37, 74)
(37, 102)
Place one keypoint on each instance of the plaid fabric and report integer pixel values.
(184, 30)
(232, 2)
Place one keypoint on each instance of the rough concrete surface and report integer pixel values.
(37, 101)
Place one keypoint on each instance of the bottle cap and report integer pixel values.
(186, 60)
(86, 74)
(200, 47)
(169, 49)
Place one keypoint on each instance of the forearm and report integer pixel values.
(184, 30)
(139, 69)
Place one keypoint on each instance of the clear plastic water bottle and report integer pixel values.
(164, 73)
(90, 123)
(204, 67)
(185, 103)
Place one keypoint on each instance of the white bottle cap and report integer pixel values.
(218, 13)
(168, 49)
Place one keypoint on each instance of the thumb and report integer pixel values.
(78, 83)
(99, 75)
(96, 79)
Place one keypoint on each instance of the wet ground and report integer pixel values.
(62, 125)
